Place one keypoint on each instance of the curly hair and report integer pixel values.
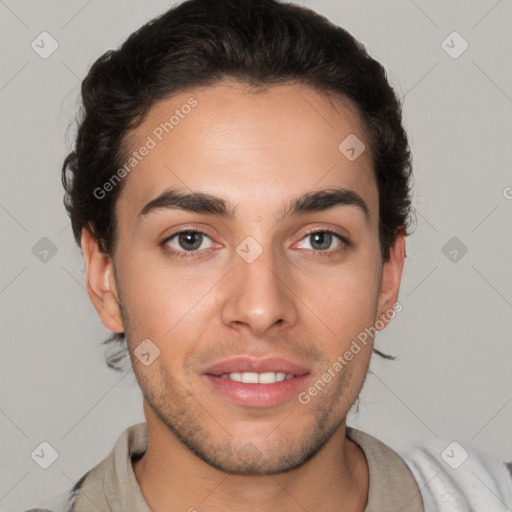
(258, 42)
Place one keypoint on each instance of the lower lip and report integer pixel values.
(257, 395)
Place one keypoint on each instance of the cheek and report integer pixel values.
(343, 298)
(159, 293)
(165, 304)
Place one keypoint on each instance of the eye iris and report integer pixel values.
(184, 239)
(324, 239)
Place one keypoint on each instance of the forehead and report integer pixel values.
(254, 148)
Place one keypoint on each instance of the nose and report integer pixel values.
(259, 296)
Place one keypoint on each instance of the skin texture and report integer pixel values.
(258, 152)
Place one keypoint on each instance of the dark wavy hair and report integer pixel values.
(201, 42)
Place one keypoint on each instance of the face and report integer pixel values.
(223, 296)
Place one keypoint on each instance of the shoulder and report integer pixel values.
(92, 484)
(391, 483)
(450, 476)
(458, 476)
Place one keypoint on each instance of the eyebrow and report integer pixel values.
(311, 202)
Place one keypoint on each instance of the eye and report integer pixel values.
(188, 243)
(183, 242)
(323, 239)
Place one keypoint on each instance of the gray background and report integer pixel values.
(452, 378)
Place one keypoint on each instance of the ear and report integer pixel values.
(101, 285)
(390, 282)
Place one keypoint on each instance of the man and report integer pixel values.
(240, 189)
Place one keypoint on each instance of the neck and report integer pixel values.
(171, 477)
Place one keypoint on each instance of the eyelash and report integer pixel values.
(193, 254)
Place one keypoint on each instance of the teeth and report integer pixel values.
(267, 378)
(257, 378)
(250, 378)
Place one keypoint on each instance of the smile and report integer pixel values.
(257, 378)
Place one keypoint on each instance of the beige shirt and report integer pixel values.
(112, 486)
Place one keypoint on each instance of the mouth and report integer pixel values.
(257, 378)
(256, 382)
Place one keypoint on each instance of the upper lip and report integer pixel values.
(242, 364)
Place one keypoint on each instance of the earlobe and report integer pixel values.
(390, 282)
(100, 283)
